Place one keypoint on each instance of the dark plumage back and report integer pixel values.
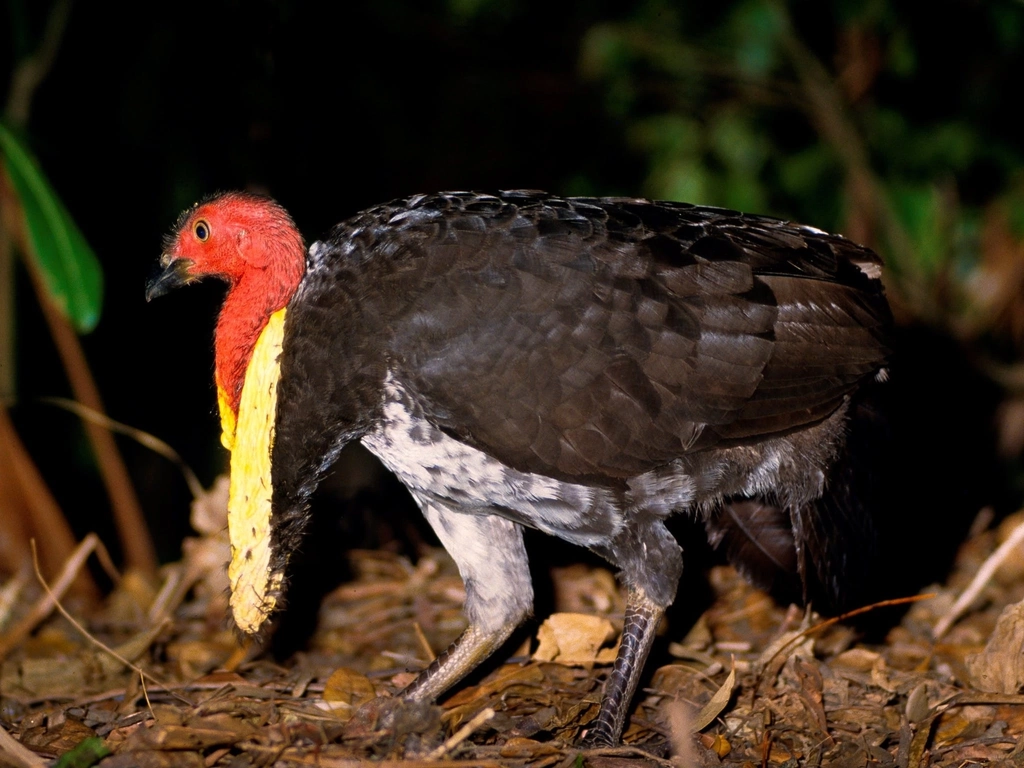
(597, 340)
(601, 337)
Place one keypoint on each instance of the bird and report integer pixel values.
(582, 366)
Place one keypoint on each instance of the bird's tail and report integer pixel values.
(821, 551)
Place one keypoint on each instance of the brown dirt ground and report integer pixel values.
(762, 685)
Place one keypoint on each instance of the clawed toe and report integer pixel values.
(396, 716)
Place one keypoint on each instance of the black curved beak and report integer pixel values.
(173, 273)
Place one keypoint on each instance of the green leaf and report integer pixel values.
(86, 754)
(68, 265)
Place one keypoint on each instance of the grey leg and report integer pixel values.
(492, 560)
(651, 563)
(641, 623)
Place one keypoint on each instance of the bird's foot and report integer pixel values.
(394, 716)
(597, 736)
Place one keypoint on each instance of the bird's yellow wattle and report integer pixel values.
(250, 436)
(227, 419)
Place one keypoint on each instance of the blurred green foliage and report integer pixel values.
(894, 123)
(896, 127)
(68, 266)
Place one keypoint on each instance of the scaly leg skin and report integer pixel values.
(469, 650)
(641, 623)
(464, 655)
(492, 560)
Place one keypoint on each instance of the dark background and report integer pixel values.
(333, 107)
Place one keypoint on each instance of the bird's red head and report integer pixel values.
(232, 236)
(252, 243)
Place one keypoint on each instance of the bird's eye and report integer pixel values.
(201, 230)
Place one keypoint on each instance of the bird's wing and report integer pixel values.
(604, 337)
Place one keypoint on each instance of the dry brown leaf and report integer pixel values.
(917, 708)
(1000, 667)
(519, 748)
(716, 743)
(500, 682)
(346, 690)
(155, 760)
(872, 698)
(961, 724)
(857, 660)
(574, 638)
(180, 737)
(67, 667)
(581, 588)
(883, 677)
(812, 691)
(197, 657)
(710, 711)
(58, 736)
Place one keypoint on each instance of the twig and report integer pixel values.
(44, 514)
(981, 578)
(828, 112)
(25, 79)
(462, 734)
(171, 593)
(131, 525)
(7, 356)
(143, 438)
(48, 602)
(422, 638)
(143, 675)
(823, 625)
(17, 754)
(32, 70)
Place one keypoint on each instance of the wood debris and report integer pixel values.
(752, 683)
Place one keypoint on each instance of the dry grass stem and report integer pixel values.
(47, 602)
(54, 597)
(981, 578)
(143, 438)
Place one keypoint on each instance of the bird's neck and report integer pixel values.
(247, 307)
